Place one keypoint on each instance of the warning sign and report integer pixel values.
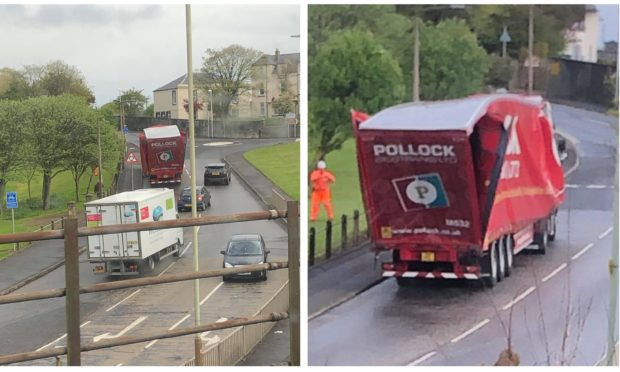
(131, 158)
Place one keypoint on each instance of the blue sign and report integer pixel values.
(11, 199)
(126, 129)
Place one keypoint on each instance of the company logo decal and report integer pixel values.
(414, 150)
(422, 191)
(144, 213)
(165, 156)
(158, 213)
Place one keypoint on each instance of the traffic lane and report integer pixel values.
(590, 129)
(565, 305)
(434, 312)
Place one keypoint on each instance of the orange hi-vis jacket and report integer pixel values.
(320, 179)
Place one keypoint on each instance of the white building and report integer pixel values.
(582, 37)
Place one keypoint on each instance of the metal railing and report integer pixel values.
(70, 234)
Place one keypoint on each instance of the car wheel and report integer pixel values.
(225, 279)
(264, 275)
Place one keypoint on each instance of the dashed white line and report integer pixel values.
(596, 187)
(124, 299)
(59, 338)
(604, 234)
(572, 186)
(422, 358)
(186, 248)
(581, 252)
(519, 298)
(166, 269)
(179, 322)
(107, 335)
(119, 364)
(470, 331)
(211, 293)
(554, 272)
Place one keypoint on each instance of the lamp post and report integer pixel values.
(211, 111)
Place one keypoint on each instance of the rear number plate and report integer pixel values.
(216, 173)
(428, 256)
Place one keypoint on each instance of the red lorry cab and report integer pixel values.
(456, 188)
(162, 152)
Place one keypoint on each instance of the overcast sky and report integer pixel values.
(609, 26)
(141, 46)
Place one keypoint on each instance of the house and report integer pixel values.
(582, 37)
(609, 54)
(272, 76)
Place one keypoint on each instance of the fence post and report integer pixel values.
(328, 239)
(356, 227)
(198, 356)
(343, 230)
(311, 243)
(292, 215)
(72, 283)
(53, 225)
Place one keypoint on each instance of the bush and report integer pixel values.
(501, 71)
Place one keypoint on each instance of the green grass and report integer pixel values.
(346, 196)
(29, 216)
(280, 163)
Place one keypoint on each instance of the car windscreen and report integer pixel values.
(244, 248)
(210, 167)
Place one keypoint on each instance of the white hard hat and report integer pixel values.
(321, 164)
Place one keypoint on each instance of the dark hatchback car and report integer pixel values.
(245, 249)
(203, 199)
(217, 172)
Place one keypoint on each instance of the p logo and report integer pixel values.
(165, 156)
(421, 192)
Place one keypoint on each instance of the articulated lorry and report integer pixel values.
(162, 152)
(132, 253)
(456, 188)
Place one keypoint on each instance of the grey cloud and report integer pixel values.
(55, 15)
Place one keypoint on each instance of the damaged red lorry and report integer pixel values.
(456, 188)
(162, 152)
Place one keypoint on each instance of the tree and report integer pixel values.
(285, 103)
(132, 101)
(11, 140)
(227, 72)
(350, 70)
(59, 78)
(452, 64)
(13, 84)
(149, 110)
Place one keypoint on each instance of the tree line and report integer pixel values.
(361, 56)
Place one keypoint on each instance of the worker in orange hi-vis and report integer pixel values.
(320, 179)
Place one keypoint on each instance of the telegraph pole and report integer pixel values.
(612, 336)
(416, 59)
(530, 47)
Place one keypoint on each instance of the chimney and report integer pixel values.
(277, 60)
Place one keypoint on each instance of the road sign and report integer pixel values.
(505, 37)
(126, 129)
(11, 199)
(131, 158)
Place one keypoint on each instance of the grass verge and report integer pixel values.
(280, 163)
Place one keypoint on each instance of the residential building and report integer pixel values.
(582, 37)
(609, 54)
(272, 77)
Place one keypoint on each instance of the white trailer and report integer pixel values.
(133, 252)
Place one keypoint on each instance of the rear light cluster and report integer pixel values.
(133, 267)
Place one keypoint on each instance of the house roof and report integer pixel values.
(270, 59)
(179, 81)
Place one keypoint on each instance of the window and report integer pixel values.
(261, 89)
(262, 108)
(157, 115)
(174, 97)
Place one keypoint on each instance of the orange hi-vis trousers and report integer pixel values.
(318, 198)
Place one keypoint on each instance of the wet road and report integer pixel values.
(448, 323)
(133, 312)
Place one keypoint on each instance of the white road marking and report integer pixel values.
(211, 293)
(170, 329)
(124, 299)
(204, 334)
(560, 268)
(218, 144)
(598, 121)
(208, 341)
(470, 331)
(519, 298)
(59, 338)
(119, 364)
(596, 187)
(572, 186)
(166, 269)
(422, 358)
(606, 233)
(581, 252)
(186, 248)
(125, 330)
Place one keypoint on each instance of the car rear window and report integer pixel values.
(215, 167)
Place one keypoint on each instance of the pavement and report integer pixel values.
(40, 258)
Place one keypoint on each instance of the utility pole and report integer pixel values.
(530, 47)
(100, 193)
(416, 59)
(192, 157)
(612, 337)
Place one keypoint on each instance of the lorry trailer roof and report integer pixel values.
(130, 196)
(458, 114)
(166, 131)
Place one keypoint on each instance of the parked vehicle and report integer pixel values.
(245, 249)
(203, 199)
(217, 172)
(132, 253)
(162, 153)
(456, 188)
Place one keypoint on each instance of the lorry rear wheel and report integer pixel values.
(509, 253)
(552, 227)
(489, 267)
(542, 239)
(501, 259)
(147, 265)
